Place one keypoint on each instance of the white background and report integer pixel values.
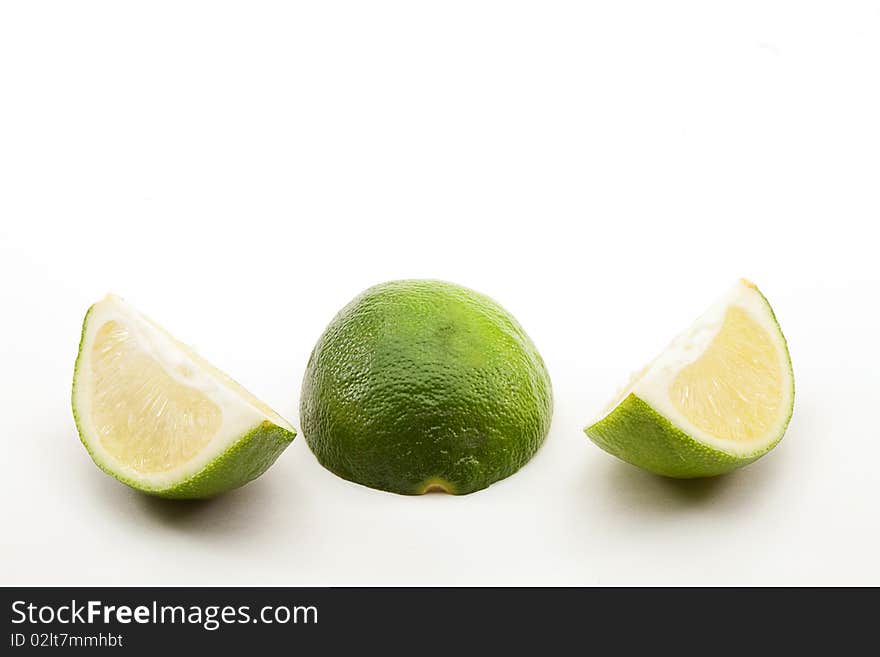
(239, 171)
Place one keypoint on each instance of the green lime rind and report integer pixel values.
(243, 461)
(246, 460)
(425, 385)
(636, 433)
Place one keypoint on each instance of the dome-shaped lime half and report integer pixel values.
(422, 385)
(158, 417)
(719, 397)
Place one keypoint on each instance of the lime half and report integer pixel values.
(160, 418)
(719, 397)
(420, 386)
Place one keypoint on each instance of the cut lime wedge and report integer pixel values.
(160, 418)
(719, 397)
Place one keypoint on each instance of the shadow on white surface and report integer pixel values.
(243, 513)
(236, 510)
(633, 487)
(642, 495)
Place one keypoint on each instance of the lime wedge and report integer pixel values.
(158, 417)
(719, 397)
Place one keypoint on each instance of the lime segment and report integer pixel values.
(719, 397)
(158, 417)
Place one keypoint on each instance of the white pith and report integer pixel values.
(241, 412)
(653, 383)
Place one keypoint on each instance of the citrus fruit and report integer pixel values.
(158, 417)
(422, 385)
(719, 397)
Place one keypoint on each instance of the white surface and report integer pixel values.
(239, 171)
